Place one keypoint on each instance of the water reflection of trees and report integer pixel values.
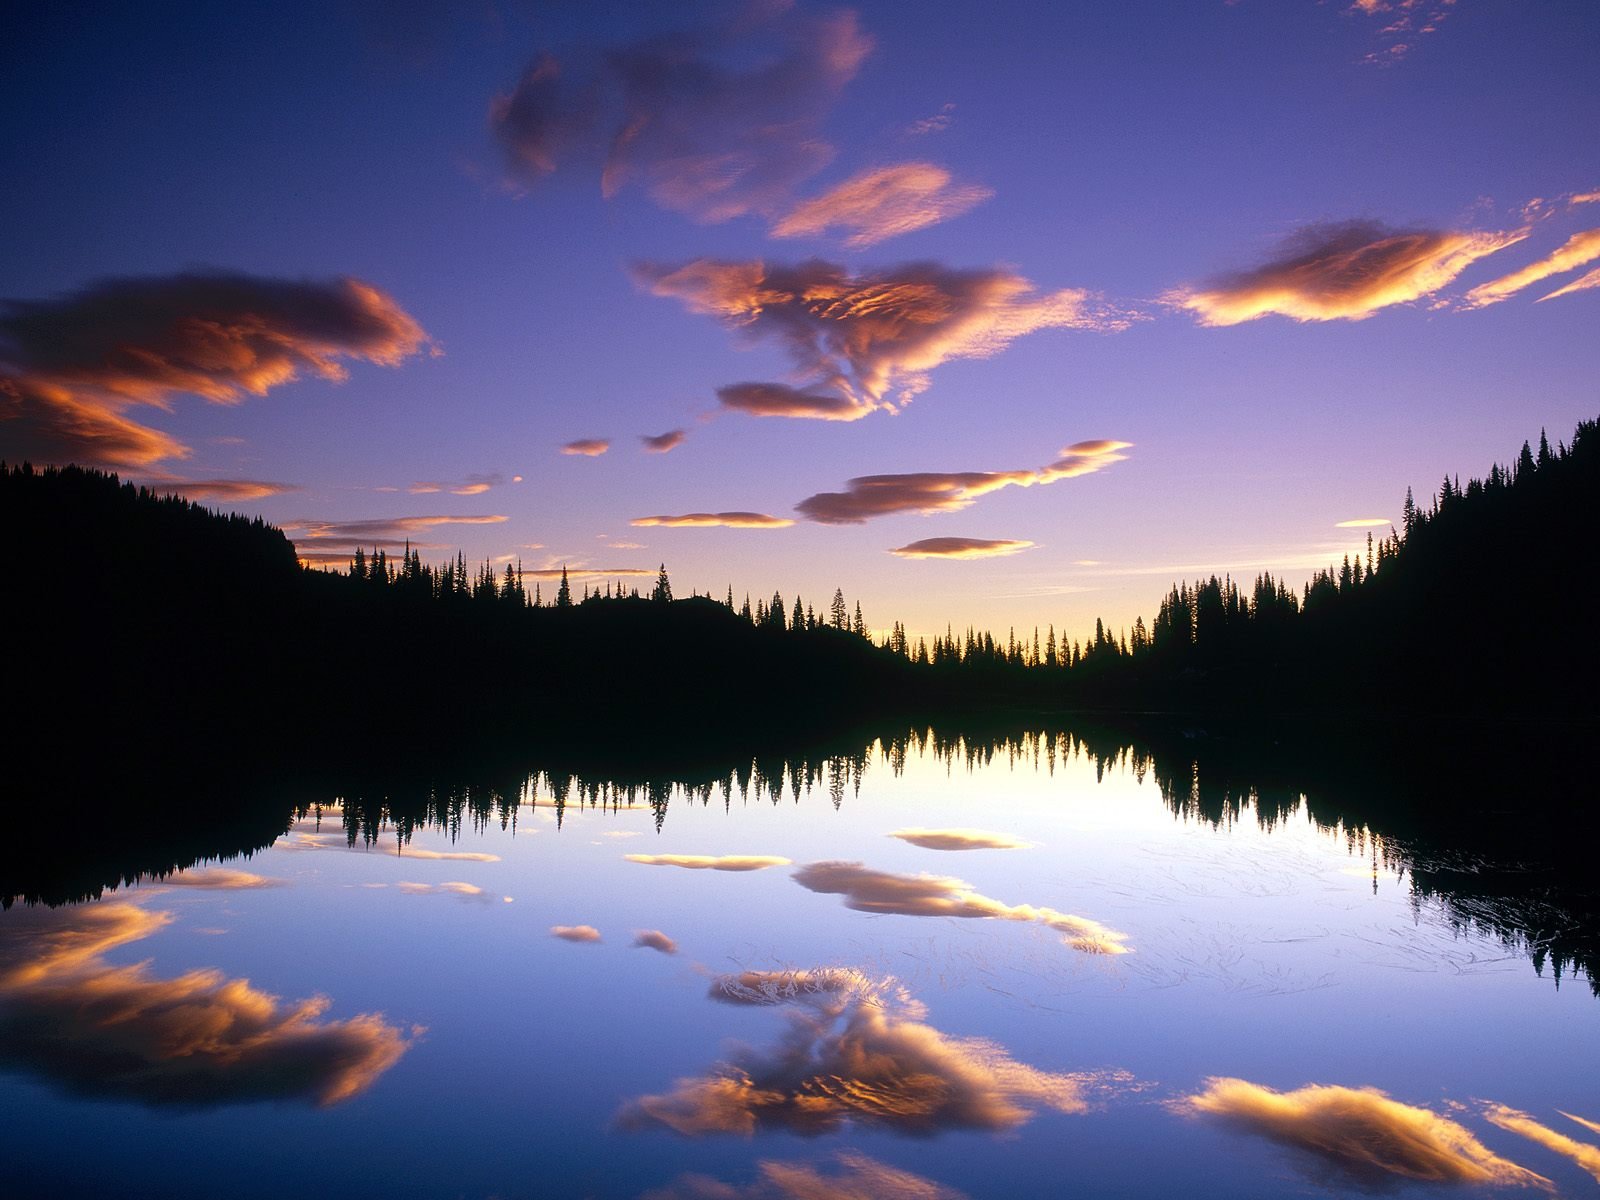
(1486, 827)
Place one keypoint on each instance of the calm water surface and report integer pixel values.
(924, 978)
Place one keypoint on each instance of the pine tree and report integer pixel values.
(564, 593)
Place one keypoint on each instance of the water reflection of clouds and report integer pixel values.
(857, 1178)
(868, 890)
(705, 862)
(1360, 1135)
(960, 839)
(223, 879)
(200, 1039)
(855, 1053)
(299, 839)
(654, 939)
(1585, 1154)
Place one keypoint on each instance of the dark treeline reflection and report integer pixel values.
(1490, 823)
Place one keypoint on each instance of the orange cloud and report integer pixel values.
(781, 400)
(1579, 249)
(730, 520)
(70, 366)
(1582, 284)
(712, 122)
(587, 447)
(228, 490)
(199, 1040)
(1592, 1126)
(1585, 1154)
(1359, 1133)
(1342, 272)
(661, 443)
(473, 485)
(654, 939)
(884, 203)
(871, 891)
(575, 933)
(962, 547)
(933, 491)
(868, 341)
(218, 879)
(381, 531)
(702, 862)
(855, 1053)
(960, 839)
(857, 1178)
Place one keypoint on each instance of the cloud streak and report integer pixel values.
(1582, 284)
(703, 862)
(706, 520)
(587, 447)
(855, 1053)
(1342, 272)
(199, 1040)
(1585, 1154)
(870, 496)
(1578, 250)
(960, 839)
(233, 491)
(962, 547)
(868, 341)
(879, 204)
(871, 891)
(711, 123)
(71, 366)
(1359, 1134)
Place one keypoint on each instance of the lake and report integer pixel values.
(943, 968)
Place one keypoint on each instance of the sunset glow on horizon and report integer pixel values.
(994, 319)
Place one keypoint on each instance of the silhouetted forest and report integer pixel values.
(159, 625)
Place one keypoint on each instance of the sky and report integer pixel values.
(994, 316)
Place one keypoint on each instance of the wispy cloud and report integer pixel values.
(1585, 1154)
(962, 547)
(71, 366)
(1579, 249)
(857, 1177)
(703, 862)
(455, 887)
(654, 939)
(1360, 1133)
(575, 933)
(879, 204)
(872, 891)
(868, 341)
(712, 123)
(386, 530)
(661, 443)
(960, 839)
(221, 879)
(472, 485)
(855, 1053)
(937, 123)
(1582, 284)
(1342, 272)
(199, 1040)
(1362, 523)
(227, 490)
(871, 496)
(704, 520)
(587, 447)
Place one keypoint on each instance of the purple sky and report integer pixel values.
(990, 315)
